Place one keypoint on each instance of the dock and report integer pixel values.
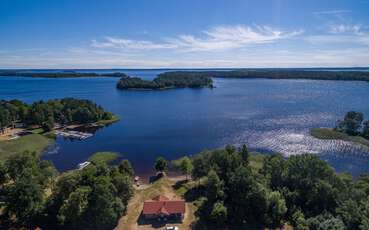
(73, 134)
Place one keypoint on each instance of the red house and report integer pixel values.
(162, 208)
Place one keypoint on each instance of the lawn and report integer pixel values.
(105, 157)
(33, 142)
(331, 134)
(164, 186)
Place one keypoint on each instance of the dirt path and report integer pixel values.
(162, 187)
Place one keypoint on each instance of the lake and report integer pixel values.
(268, 115)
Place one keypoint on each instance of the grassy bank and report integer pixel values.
(105, 157)
(331, 134)
(107, 122)
(33, 142)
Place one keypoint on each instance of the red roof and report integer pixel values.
(162, 205)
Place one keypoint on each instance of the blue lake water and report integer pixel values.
(268, 115)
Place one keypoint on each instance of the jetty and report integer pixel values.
(73, 134)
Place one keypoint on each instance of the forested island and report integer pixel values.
(163, 81)
(273, 74)
(61, 74)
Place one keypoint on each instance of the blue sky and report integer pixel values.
(183, 33)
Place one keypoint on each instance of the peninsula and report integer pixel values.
(352, 128)
(33, 126)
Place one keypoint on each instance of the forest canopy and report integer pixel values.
(301, 190)
(164, 81)
(46, 113)
(63, 74)
(274, 74)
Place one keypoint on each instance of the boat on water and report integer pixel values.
(83, 164)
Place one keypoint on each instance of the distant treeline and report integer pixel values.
(164, 81)
(273, 74)
(66, 74)
(45, 114)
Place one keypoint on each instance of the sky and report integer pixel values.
(183, 33)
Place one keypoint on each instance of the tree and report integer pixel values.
(276, 209)
(48, 125)
(123, 184)
(186, 166)
(299, 221)
(72, 211)
(218, 214)
(365, 132)
(213, 187)
(230, 149)
(325, 221)
(247, 199)
(3, 175)
(24, 199)
(351, 123)
(201, 165)
(161, 164)
(105, 208)
(126, 168)
(245, 154)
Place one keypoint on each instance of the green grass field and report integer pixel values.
(105, 157)
(34, 143)
(331, 134)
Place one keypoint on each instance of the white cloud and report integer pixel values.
(341, 34)
(215, 39)
(228, 37)
(332, 12)
(345, 28)
(112, 42)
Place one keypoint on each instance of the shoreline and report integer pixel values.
(331, 134)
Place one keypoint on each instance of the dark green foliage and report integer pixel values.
(63, 74)
(351, 123)
(302, 190)
(298, 221)
(161, 164)
(24, 199)
(126, 168)
(27, 177)
(3, 175)
(186, 166)
(219, 214)
(276, 74)
(366, 129)
(276, 209)
(245, 154)
(48, 125)
(325, 221)
(10, 112)
(96, 197)
(307, 183)
(92, 198)
(165, 81)
(45, 114)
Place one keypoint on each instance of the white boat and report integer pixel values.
(83, 164)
